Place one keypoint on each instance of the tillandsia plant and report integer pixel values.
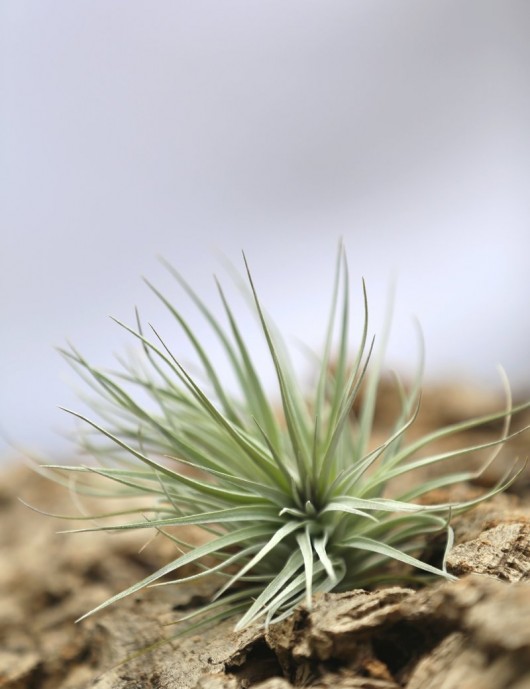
(293, 497)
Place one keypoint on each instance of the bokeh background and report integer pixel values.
(132, 129)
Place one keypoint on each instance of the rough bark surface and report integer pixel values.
(470, 634)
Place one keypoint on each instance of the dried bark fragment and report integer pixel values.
(452, 663)
(472, 633)
(489, 647)
(502, 552)
(335, 620)
(366, 633)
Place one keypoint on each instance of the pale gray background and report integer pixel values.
(134, 128)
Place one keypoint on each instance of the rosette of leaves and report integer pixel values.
(293, 496)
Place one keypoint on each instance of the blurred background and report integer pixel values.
(194, 130)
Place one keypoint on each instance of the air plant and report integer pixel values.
(293, 497)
